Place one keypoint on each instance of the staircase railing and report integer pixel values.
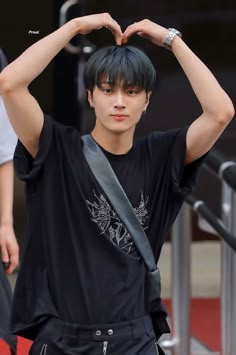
(181, 260)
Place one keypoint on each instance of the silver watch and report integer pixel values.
(169, 38)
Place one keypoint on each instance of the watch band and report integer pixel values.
(169, 38)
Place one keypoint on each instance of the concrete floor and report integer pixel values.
(205, 269)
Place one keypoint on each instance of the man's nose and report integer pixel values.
(119, 100)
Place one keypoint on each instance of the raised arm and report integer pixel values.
(8, 244)
(217, 108)
(23, 110)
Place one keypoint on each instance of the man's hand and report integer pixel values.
(9, 247)
(86, 24)
(146, 29)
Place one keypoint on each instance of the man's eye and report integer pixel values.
(132, 91)
(106, 90)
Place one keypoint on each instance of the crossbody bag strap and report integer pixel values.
(107, 179)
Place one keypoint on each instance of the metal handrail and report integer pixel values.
(63, 19)
(225, 169)
(200, 207)
(181, 290)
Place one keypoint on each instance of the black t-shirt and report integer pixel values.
(79, 262)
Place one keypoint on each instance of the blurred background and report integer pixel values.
(208, 27)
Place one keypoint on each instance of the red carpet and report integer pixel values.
(205, 321)
(205, 326)
(23, 346)
(4, 350)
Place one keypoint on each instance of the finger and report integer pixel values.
(14, 261)
(14, 258)
(12, 266)
(118, 37)
(5, 255)
(115, 29)
(130, 31)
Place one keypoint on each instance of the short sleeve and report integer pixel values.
(26, 167)
(183, 177)
(8, 137)
(3, 60)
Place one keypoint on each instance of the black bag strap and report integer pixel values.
(107, 179)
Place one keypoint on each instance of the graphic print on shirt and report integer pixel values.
(109, 222)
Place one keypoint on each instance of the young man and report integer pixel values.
(9, 251)
(82, 287)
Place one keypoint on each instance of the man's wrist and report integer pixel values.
(78, 25)
(170, 37)
(73, 27)
(6, 223)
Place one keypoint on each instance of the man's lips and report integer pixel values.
(119, 116)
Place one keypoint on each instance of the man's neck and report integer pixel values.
(114, 143)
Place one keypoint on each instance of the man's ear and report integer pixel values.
(90, 99)
(148, 95)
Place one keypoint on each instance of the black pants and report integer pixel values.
(5, 309)
(126, 338)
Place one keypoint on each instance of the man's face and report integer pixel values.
(118, 110)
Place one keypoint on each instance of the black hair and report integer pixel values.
(125, 64)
